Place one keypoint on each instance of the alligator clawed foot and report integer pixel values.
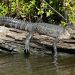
(26, 52)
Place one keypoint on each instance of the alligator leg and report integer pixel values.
(27, 42)
(55, 46)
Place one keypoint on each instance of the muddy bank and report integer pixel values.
(13, 39)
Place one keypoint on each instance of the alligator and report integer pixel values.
(56, 31)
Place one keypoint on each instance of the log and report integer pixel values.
(16, 38)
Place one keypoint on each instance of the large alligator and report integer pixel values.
(57, 32)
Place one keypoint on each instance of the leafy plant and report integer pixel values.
(33, 9)
(3, 9)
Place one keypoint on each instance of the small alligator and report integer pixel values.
(55, 31)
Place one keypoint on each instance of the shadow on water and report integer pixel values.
(18, 64)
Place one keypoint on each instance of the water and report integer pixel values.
(18, 64)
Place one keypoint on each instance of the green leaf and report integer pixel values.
(48, 13)
(40, 12)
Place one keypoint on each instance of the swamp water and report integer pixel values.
(17, 64)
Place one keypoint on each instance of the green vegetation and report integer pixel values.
(40, 10)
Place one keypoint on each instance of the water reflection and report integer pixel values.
(36, 65)
(28, 67)
(65, 69)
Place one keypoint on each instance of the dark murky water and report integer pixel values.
(36, 65)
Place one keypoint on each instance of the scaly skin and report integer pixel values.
(55, 31)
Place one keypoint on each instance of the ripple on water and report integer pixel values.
(36, 65)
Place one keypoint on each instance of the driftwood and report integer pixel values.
(13, 39)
